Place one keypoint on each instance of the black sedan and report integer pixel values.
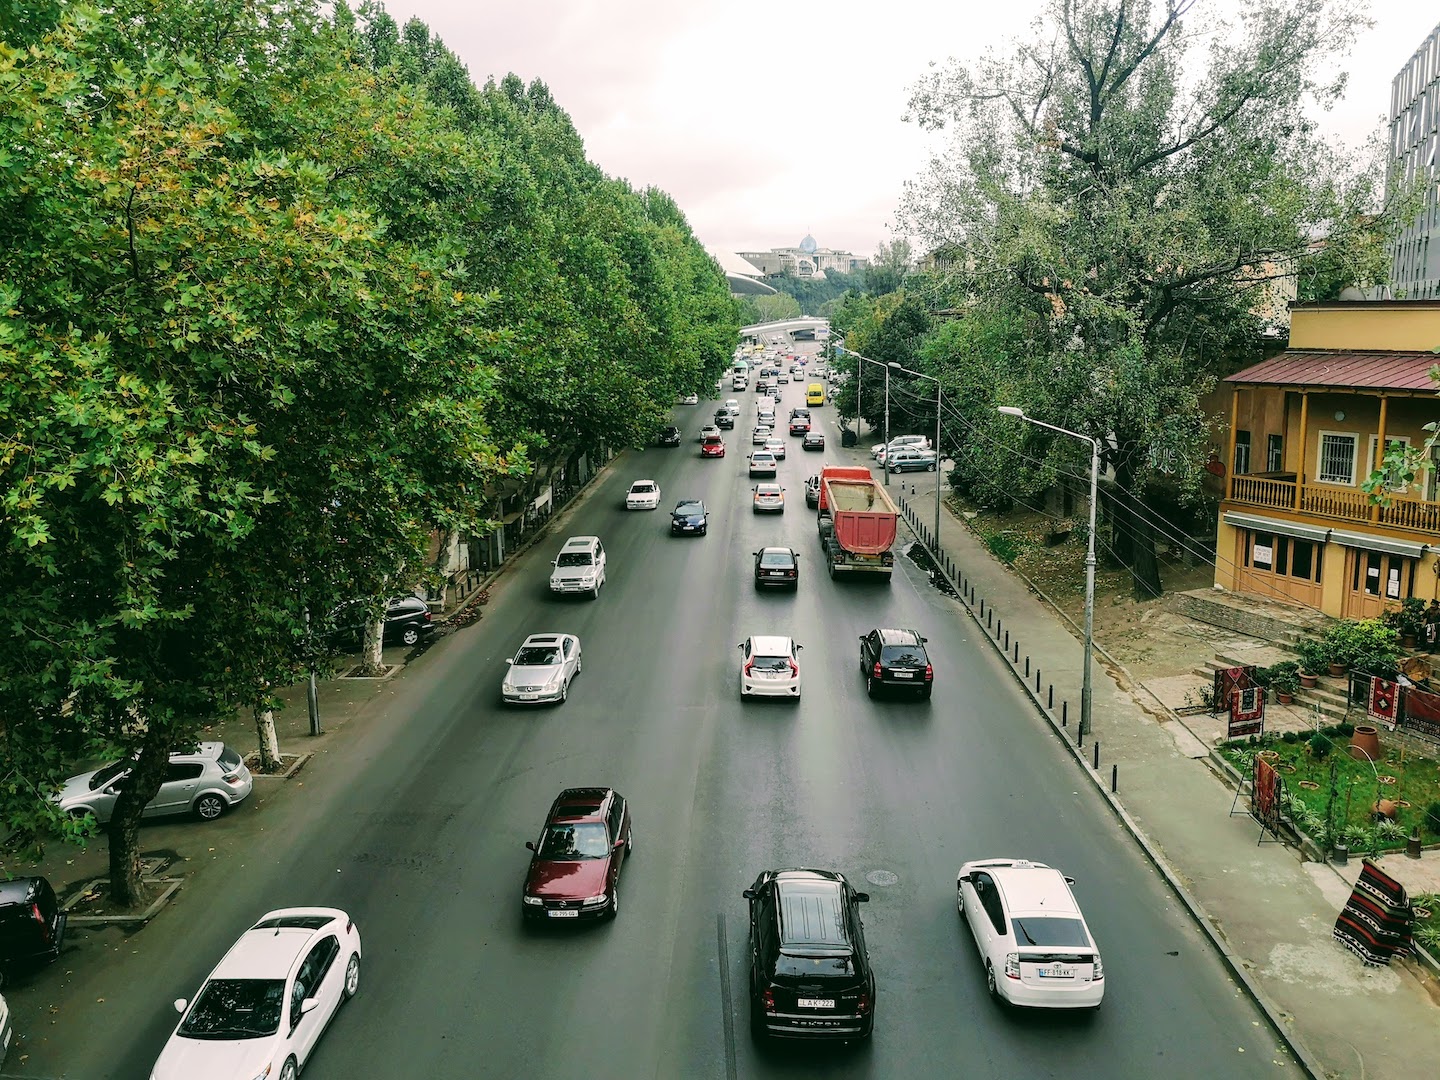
(689, 518)
(895, 659)
(777, 566)
(814, 440)
(669, 436)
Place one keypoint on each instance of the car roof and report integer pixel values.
(771, 487)
(769, 645)
(811, 910)
(898, 637)
(579, 542)
(1034, 889)
(265, 953)
(689, 502)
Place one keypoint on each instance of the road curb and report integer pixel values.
(1301, 1053)
(172, 885)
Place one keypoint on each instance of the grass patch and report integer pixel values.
(1417, 782)
(1006, 546)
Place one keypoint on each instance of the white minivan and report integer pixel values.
(580, 567)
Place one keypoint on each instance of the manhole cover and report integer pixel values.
(881, 877)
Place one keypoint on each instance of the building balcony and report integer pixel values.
(1282, 491)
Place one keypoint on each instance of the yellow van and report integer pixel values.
(815, 394)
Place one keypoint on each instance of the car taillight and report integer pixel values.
(748, 665)
(862, 1004)
(794, 670)
(1099, 970)
(428, 616)
(768, 1000)
(40, 918)
(929, 673)
(877, 669)
(1012, 965)
(231, 778)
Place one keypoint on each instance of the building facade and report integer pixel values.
(1306, 427)
(805, 260)
(1415, 152)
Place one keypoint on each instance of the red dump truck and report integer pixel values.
(856, 522)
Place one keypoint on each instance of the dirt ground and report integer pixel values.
(1149, 638)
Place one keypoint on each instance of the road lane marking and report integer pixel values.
(726, 1003)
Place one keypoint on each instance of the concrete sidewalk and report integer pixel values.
(1271, 911)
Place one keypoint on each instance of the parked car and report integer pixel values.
(812, 491)
(814, 440)
(1032, 938)
(810, 974)
(776, 446)
(542, 669)
(900, 440)
(32, 926)
(769, 499)
(713, 447)
(669, 436)
(643, 495)
(407, 620)
(777, 566)
(7, 1029)
(689, 399)
(909, 459)
(204, 781)
(580, 567)
(575, 865)
(689, 516)
(895, 659)
(261, 1012)
(762, 463)
(769, 667)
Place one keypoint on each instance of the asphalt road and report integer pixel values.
(416, 822)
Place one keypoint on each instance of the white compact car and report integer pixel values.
(645, 494)
(542, 669)
(769, 667)
(762, 463)
(1032, 939)
(205, 781)
(266, 1004)
(776, 446)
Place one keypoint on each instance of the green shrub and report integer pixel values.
(1432, 818)
(1005, 547)
(1428, 935)
(1313, 656)
(1391, 830)
(1291, 737)
(1363, 644)
(1345, 728)
(1320, 746)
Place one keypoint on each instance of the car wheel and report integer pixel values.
(290, 1071)
(209, 807)
(410, 635)
(869, 686)
(352, 976)
(564, 691)
(757, 1021)
(614, 909)
(959, 900)
(595, 592)
(933, 466)
(990, 985)
(629, 840)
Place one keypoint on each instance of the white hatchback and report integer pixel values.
(645, 494)
(769, 667)
(262, 1011)
(1032, 939)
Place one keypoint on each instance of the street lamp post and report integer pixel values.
(1085, 686)
(932, 378)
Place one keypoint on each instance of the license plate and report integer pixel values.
(815, 1003)
(777, 573)
(527, 697)
(903, 674)
(563, 914)
(1056, 971)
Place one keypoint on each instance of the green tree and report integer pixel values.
(1138, 190)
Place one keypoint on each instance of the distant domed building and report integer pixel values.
(808, 245)
(807, 259)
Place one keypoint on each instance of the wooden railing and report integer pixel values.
(1320, 500)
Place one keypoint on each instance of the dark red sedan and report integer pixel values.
(713, 446)
(575, 869)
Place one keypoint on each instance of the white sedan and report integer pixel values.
(644, 495)
(542, 669)
(690, 399)
(263, 1009)
(776, 446)
(1031, 936)
(769, 667)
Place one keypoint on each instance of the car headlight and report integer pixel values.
(533, 901)
(591, 901)
(263, 1074)
(552, 682)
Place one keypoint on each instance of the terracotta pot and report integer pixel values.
(1409, 641)
(1308, 681)
(1268, 755)
(1337, 670)
(1283, 698)
(1365, 743)
(1385, 808)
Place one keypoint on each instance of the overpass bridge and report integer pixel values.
(805, 327)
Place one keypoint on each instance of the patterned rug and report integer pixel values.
(1375, 924)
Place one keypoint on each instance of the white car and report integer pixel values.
(760, 434)
(1031, 936)
(776, 446)
(580, 567)
(262, 1010)
(900, 440)
(7, 1029)
(542, 669)
(762, 463)
(707, 431)
(769, 667)
(732, 406)
(645, 494)
(690, 399)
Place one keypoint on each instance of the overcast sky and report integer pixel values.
(768, 120)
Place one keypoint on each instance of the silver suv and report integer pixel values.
(205, 781)
(580, 567)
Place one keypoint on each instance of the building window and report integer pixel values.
(1242, 453)
(1274, 453)
(1337, 458)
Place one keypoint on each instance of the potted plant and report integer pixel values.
(1313, 661)
(1410, 621)
(1285, 680)
(1365, 644)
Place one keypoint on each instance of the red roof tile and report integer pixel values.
(1351, 370)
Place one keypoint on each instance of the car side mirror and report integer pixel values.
(1069, 881)
(923, 640)
(749, 894)
(739, 644)
(530, 844)
(180, 1004)
(965, 877)
(862, 897)
(308, 1005)
(798, 645)
(510, 660)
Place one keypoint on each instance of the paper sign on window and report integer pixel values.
(1392, 586)
(1264, 555)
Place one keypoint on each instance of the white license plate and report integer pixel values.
(903, 674)
(563, 914)
(777, 573)
(1057, 971)
(527, 697)
(815, 1003)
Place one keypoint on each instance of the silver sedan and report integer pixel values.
(542, 669)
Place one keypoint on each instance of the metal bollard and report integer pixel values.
(1064, 712)
(1017, 650)
(1037, 680)
(1027, 667)
(1114, 778)
(1007, 638)
(1096, 747)
(1051, 703)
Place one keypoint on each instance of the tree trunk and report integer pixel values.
(265, 728)
(370, 660)
(1134, 535)
(126, 889)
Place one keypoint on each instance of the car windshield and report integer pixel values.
(712, 440)
(1068, 933)
(902, 654)
(582, 840)
(776, 558)
(642, 489)
(537, 656)
(770, 663)
(235, 1009)
(573, 558)
(800, 967)
(689, 509)
(108, 774)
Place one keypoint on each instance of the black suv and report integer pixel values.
(669, 436)
(810, 974)
(407, 620)
(895, 658)
(32, 927)
(724, 419)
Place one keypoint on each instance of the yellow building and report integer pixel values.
(1305, 431)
